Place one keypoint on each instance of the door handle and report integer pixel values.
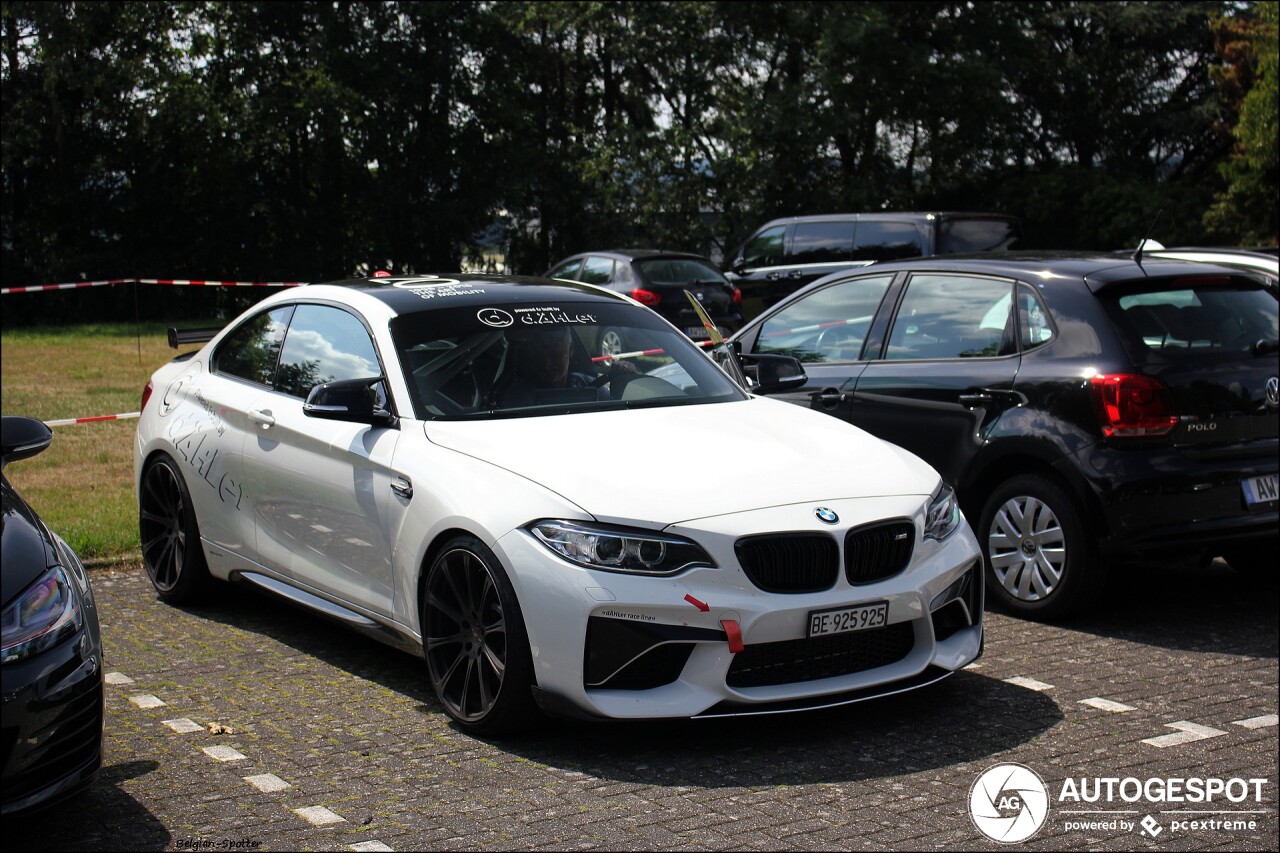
(795, 274)
(402, 487)
(773, 276)
(982, 398)
(830, 398)
(263, 418)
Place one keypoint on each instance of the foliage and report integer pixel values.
(309, 140)
(1246, 208)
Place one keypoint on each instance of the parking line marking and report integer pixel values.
(146, 700)
(1029, 683)
(224, 753)
(118, 678)
(1107, 705)
(267, 782)
(319, 816)
(182, 725)
(1258, 722)
(1187, 732)
(370, 845)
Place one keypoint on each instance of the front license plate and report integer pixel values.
(841, 620)
(1260, 490)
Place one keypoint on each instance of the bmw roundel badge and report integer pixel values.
(825, 515)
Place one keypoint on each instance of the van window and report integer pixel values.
(821, 242)
(957, 236)
(764, 249)
(887, 241)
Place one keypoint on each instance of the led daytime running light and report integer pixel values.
(619, 550)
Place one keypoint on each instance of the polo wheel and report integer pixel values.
(170, 536)
(1040, 560)
(474, 640)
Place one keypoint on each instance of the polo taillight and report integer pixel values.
(146, 395)
(646, 297)
(1130, 405)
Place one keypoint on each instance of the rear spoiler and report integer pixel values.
(179, 337)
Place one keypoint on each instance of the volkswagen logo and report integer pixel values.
(825, 515)
(1273, 392)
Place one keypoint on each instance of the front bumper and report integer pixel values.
(51, 740)
(709, 641)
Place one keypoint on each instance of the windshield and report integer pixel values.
(677, 272)
(1191, 317)
(527, 360)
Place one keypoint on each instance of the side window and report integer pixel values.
(1033, 319)
(250, 352)
(976, 235)
(567, 270)
(764, 249)
(596, 271)
(324, 344)
(952, 316)
(821, 242)
(829, 325)
(886, 241)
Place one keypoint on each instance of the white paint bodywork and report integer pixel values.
(324, 519)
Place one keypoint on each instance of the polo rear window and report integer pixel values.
(1191, 316)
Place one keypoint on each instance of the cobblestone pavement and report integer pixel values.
(335, 742)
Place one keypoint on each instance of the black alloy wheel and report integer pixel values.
(169, 535)
(474, 639)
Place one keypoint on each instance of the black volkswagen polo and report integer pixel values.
(1088, 409)
(51, 663)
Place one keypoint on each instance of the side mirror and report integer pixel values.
(739, 266)
(361, 401)
(768, 373)
(23, 437)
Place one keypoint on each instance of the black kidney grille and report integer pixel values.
(792, 661)
(790, 562)
(878, 551)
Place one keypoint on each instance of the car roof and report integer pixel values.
(890, 215)
(1097, 269)
(411, 294)
(632, 254)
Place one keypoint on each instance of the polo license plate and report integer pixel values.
(1260, 490)
(842, 620)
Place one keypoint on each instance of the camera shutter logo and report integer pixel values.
(1008, 803)
(495, 317)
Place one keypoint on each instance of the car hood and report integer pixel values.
(679, 463)
(24, 543)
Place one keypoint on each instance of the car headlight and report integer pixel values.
(943, 516)
(619, 549)
(41, 617)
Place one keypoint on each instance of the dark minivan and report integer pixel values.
(786, 254)
(1087, 409)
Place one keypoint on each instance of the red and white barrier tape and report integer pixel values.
(170, 281)
(636, 354)
(816, 326)
(69, 421)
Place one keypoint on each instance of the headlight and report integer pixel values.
(618, 549)
(41, 617)
(943, 515)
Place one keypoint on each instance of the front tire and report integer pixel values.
(170, 536)
(474, 639)
(1041, 563)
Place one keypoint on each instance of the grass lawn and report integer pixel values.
(82, 486)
